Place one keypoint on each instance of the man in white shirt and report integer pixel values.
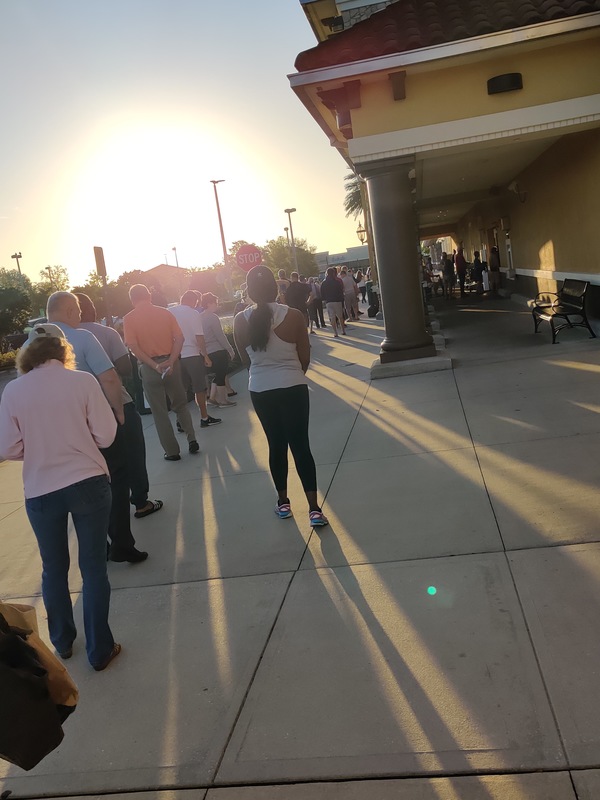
(194, 358)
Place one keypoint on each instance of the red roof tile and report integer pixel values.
(411, 24)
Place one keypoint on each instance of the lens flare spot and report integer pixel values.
(431, 590)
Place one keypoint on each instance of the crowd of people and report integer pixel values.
(455, 269)
(338, 294)
(71, 417)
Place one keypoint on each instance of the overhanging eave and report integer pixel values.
(456, 49)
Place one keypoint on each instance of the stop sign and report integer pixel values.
(248, 256)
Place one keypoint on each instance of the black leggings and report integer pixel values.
(220, 365)
(283, 413)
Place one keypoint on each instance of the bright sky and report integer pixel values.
(116, 115)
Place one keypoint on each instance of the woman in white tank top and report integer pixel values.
(273, 343)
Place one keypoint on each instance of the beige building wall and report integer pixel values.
(555, 229)
(438, 92)
(557, 225)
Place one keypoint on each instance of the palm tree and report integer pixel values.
(353, 204)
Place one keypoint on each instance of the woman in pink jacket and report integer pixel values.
(54, 419)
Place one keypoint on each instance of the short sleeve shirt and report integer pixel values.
(190, 323)
(153, 327)
(349, 283)
(112, 344)
(297, 294)
(108, 338)
(89, 353)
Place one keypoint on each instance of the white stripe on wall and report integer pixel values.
(593, 278)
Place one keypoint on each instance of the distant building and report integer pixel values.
(172, 281)
(353, 257)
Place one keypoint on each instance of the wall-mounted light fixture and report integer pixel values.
(509, 82)
(335, 24)
(516, 189)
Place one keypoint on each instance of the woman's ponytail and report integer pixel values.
(262, 289)
(259, 326)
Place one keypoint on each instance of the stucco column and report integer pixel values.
(396, 241)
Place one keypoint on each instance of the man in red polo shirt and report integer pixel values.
(155, 338)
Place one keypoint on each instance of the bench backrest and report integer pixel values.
(573, 291)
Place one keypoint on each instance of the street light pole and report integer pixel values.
(174, 249)
(214, 183)
(17, 256)
(289, 212)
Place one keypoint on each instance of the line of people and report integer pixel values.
(458, 268)
(71, 421)
(339, 293)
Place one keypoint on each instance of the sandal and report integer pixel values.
(231, 394)
(156, 505)
(111, 656)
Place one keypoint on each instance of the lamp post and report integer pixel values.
(289, 212)
(174, 249)
(214, 183)
(361, 233)
(17, 256)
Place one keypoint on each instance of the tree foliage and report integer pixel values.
(52, 279)
(11, 279)
(117, 295)
(278, 255)
(57, 278)
(15, 308)
(353, 204)
(131, 278)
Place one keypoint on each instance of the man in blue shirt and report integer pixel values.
(63, 310)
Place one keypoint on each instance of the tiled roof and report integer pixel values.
(412, 24)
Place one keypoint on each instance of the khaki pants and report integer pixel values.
(351, 303)
(157, 389)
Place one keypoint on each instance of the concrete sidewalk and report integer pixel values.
(440, 640)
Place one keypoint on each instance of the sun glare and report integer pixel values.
(137, 187)
(141, 190)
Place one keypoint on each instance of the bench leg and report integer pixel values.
(589, 327)
(553, 331)
(536, 321)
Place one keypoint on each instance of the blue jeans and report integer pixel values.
(88, 502)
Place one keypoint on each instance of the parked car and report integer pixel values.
(35, 321)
